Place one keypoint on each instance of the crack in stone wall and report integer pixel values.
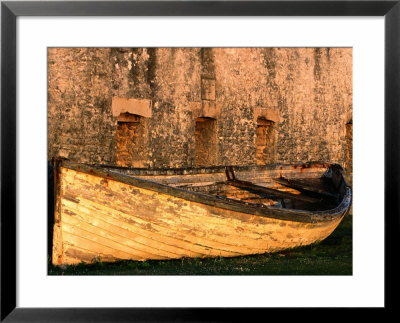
(131, 142)
(349, 148)
(206, 142)
(265, 142)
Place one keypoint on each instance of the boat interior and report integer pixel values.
(312, 187)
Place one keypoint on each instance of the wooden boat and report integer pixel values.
(112, 213)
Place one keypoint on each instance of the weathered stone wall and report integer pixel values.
(314, 98)
(80, 123)
(305, 92)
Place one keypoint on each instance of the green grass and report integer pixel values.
(333, 256)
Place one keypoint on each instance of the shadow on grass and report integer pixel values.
(333, 256)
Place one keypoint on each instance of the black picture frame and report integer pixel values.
(10, 10)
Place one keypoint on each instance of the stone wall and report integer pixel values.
(80, 88)
(305, 93)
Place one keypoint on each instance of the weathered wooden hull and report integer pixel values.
(102, 215)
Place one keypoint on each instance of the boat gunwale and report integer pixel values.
(292, 215)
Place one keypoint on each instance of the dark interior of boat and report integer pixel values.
(310, 191)
(302, 194)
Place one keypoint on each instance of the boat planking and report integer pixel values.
(113, 213)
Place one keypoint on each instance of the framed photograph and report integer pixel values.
(160, 99)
